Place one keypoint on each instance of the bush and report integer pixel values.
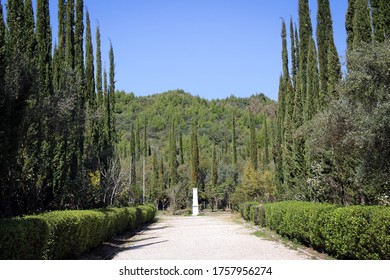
(258, 215)
(22, 238)
(354, 232)
(245, 210)
(67, 234)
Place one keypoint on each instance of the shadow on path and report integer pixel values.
(123, 242)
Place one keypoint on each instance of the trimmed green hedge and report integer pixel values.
(353, 232)
(67, 234)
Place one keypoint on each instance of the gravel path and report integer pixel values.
(214, 237)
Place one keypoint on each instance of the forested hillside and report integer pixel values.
(189, 141)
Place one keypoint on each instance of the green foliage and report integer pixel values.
(353, 232)
(67, 234)
(245, 209)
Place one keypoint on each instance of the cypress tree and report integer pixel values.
(214, 168)
(172, 158)
(194, 158)
(279, 140)
(349, 23)
(133, 159)
(89, 67)
(70, 22)
(155, 178)
(380, 19)
(2, 72)
(305, 35)
(312, 99)
(112, 93)
(266, 143)
(329, 70)
(79, 39)
(234, 148)
(181, 147)
(145, 138)
(284, 51)
(361, 24)
(294, 68)
(334, 68)
(253, 141)
(138, 140)
(99, 80)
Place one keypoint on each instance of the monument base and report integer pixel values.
(195, 210)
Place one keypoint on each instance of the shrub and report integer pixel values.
(22, 238)
(67, 234)
(245, 210)
(258, 215)
(354, 232)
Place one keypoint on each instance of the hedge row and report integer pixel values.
(67, 234)
(353, 232)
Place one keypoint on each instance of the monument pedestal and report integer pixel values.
(195, 204)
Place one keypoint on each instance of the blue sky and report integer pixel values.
(210, 48)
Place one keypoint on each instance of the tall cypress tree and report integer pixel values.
(194, 157)
(70, 38)
(294, 66)
(172, 158)
(361, 24)
(349, 23)
(133, 159)
(89, 67)
(234, 147)
(112, 94)
(305, 35)
(99, 80)
(214, 168)
(329, 71)
(265, 143)
(312, 100)
(181, 150)
(253, 141)
(380, 19)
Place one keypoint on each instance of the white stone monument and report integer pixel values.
(195, 204)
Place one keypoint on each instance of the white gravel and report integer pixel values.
(213, 237)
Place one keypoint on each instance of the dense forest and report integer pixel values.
(222, 147)
(70, 140)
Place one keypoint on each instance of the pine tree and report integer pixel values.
(361, 24)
